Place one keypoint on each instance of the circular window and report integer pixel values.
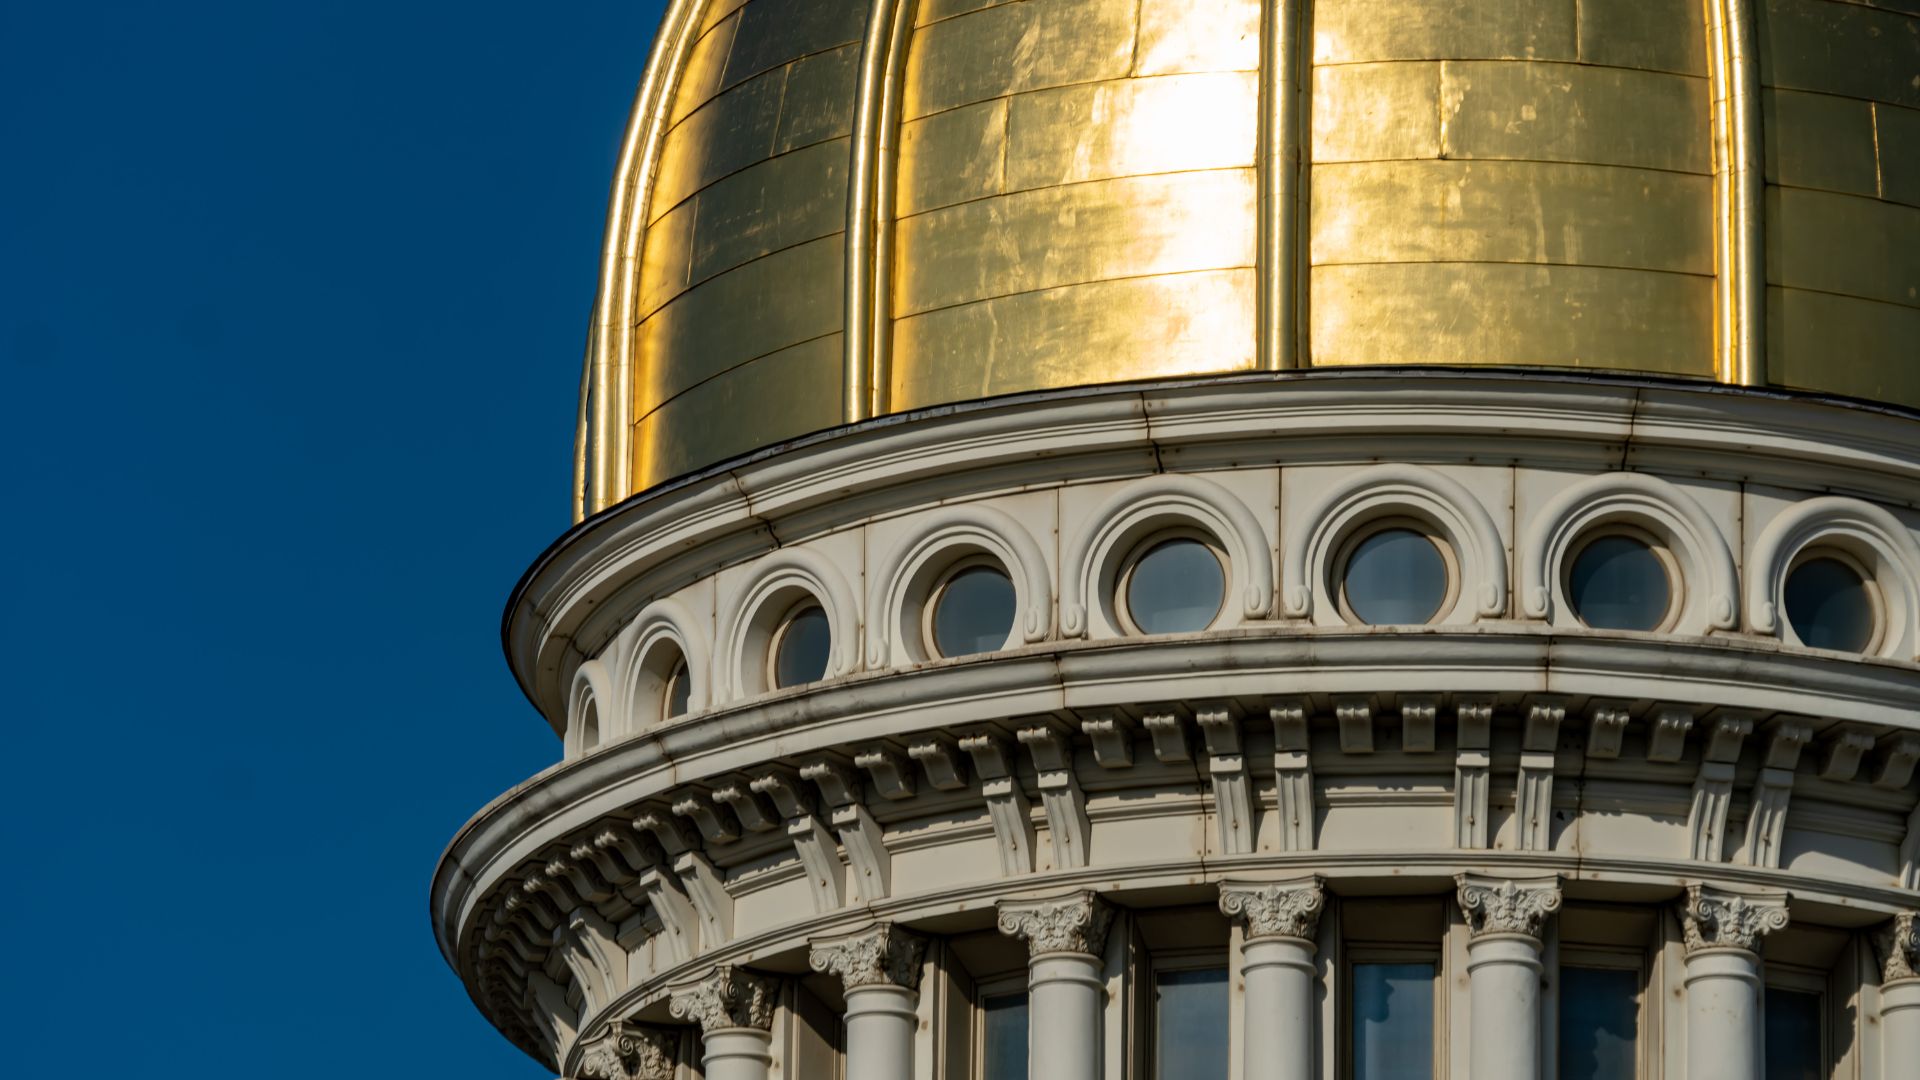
(1395, 577)
(973, 611)
(1175, 586)
(1830, 605)
(802, 646)
(1618, 582)
(679, 691)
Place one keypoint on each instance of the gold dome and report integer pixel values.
(829, 209)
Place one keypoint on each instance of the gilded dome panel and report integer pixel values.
(832, 209)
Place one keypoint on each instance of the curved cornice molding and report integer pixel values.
(581, 593)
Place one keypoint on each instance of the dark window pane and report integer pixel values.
(679, 690)
(1618, 583)
(1396, 577)
(1793, 1036)
(1392, 1022)
(804, 645)
(1828, 605)
(1190, 1024)
(1004, 1053)
(1599, 1023)
(974, 613)
(1175, 588)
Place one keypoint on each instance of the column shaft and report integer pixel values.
(1278, 1025)
(1723, 1015)
(1503, 973)
(1899, 1025)
(738, 1054)
(881, 1021)
(1064, 1016)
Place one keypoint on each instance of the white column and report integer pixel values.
(1276, 966)
(879, 970)
(627, 1051)
(1504, 919)
(1064, 937)
(1900, 998)
(735, 1011)
(1723, 933)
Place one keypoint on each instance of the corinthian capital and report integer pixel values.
(1275, 908)
(881, 955)
(1073, 924)
(1900, 944)
(1507, 905)
(727, 998)
(1719, 919)
(632, 1052)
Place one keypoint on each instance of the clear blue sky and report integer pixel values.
(292, 299)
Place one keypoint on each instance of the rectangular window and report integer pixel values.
(1003, 1037)
(1599, 1023)
(1190, 1023)
(1393, 1020)
(1794, 1045)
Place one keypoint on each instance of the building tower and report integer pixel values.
(1204, 539)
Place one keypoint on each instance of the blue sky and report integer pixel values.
(294, 298)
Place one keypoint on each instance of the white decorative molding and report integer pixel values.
(628, 1051)
(1007, 805)
(1773, 792)
(1390, 491)
(879, 955)
(1076, 923)
(1292, 774)
(1899, 945)
(907, 574)
(813, 845)
(1494, 905)
(1289, 908)
(1060, 796)
(662, 626)
(591, 696)
(1716, 918)
(1233, 808)
(726, 998)
(1713, 786)
(779, 582)
(1709, 587)
(1473, 760)
(1092, 561)
(1868, 533)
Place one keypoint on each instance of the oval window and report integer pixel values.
(1395, 577)
(802, 648)
(1175, 587)
(973, 612)
(1830, 606)
(1618, 583)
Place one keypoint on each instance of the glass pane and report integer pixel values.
(1793, 1036)
(1618, 583)
(1396, 577)
(1599, 1023)
(1175, 588)
(974, 613)
(804, 644)
(1828, 605)
(1003, 1054)
(679, 691)
(1392, 1022)
(1190, 1024)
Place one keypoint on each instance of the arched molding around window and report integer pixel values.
(907, 575)
(1873, 537)
(1092, 563)
(1707, 591)
(590, 703)
(1396, 492)
(781, 581)
(664, 634)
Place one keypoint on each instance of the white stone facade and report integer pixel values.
(828, 879)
